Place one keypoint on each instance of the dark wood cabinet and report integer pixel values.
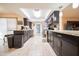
(25, 22)
(50, 38)
(56, 16)
(56, 46)
(53, 20)
(70, 45)
(30, 25)
(20, 37)
(57, 43)
(69, 49)
(64, 44)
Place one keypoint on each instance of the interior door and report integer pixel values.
(38, 28)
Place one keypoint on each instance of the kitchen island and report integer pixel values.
(64, 43)
(19, 37)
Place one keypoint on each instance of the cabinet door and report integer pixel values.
(18, 41)
(57, 45)
(49, 36)
(52, 40)
(68, 49)
(56, 16)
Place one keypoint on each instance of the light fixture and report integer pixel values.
(75, 5)
(37, 13)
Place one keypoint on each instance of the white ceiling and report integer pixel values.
(45, 7)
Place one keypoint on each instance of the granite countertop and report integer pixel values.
(69, 32)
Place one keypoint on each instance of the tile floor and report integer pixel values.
(35, 46)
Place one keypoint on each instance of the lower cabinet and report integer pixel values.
(69, 49)
(57, 44)
(18, 41)
(20, 37)
(64, 45)
(50, 38)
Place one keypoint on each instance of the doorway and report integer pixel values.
(38, 29)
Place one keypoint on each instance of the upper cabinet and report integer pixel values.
(26, 22)
(56, 16)
(53, 20)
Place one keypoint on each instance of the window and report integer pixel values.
(7, 25)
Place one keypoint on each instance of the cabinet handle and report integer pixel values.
(59, 35)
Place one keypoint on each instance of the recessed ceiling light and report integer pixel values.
(37, 13)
